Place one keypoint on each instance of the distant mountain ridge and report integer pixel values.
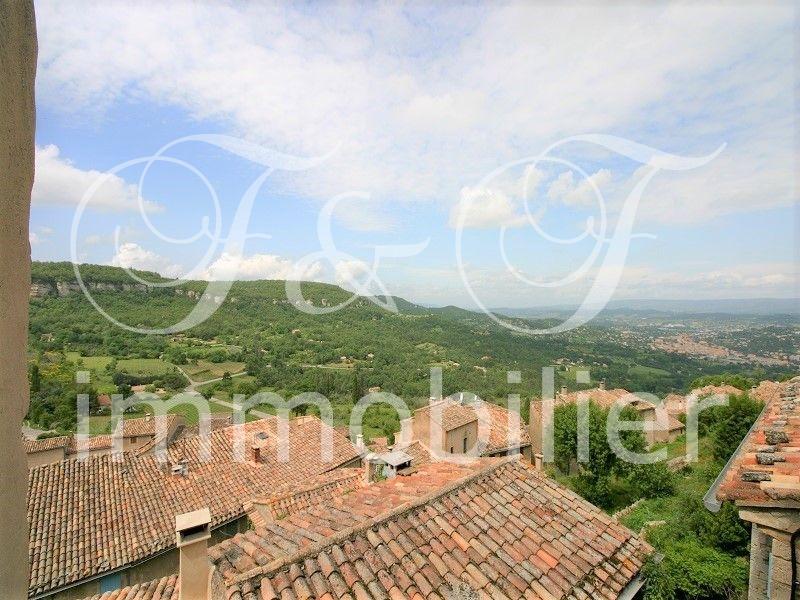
(736, 306)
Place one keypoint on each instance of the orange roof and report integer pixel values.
(506, 429)
(496, 526)
(166, 588)
(708, 390)
(450, 414)
(294, 498)
(91, 517)
(766, 468)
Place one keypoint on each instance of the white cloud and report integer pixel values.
(348, 272)
(581, 193)
(480, 208)
(33, 238)
(423, 105)
(59, 182)
(258, 266)
(132, 256)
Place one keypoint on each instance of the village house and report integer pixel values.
(763, 479)
(488, 527)
(138, 436)
(108, 521)
(455, 426)
(646, 410)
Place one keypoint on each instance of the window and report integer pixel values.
(112, 582)
(451, 450)
(465, 445)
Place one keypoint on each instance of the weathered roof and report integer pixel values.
(496, 525)
(766, 468)
(506, 429)
(420, 454)
(94, 516)
(725, 389)
(293, 498)
(144, 426)
(43, 445)
(448, 413)
(166, 588)
(600, 396)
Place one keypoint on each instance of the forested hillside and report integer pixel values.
(341, 354)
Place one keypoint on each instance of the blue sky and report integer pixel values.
(414, 106)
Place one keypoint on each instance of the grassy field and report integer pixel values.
(205, 370)
(642, 370)
(144, 366)
(224, 394)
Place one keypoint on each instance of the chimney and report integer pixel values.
(192, 532)
(563, 390)
(535, 430)
(369, 471)
(406, 431)
(602, 385)
(360, 442)
(254, 453)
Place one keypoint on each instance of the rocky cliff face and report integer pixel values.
(41, 289)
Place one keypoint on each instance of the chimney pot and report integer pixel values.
(360, 442)
(563, 390)
(254, 453)
(602, 384)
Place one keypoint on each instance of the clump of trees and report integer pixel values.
(605, 479)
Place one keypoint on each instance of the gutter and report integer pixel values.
(710, 499)
(634, 585)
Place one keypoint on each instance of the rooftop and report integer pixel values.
(765, 470)
(495, 524)
(95, 516)
(448, 413)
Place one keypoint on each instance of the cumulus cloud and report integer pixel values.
(580, 193)
(420, 112)
(59, 182)
(131, 255)
(259, 266)
(348, 272)
(480, 208)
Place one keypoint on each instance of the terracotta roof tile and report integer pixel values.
(94, 516)
(766, 469)
(421, 534)
(166, 588)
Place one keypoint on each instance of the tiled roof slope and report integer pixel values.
(766, 470)
(504, 529)
(602, 397)
(130, 428)
(146, 425)
(165, 588)
(420, 454)
(94, 516)
(506, 429)
(708, 390)
(320, 489)
(450, 414)
(53, 443)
